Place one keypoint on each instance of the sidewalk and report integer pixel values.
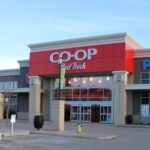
(89, 130)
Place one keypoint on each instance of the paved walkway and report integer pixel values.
(89, 130)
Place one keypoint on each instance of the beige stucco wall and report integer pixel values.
(34, 97)
(46, 99)
(58, 115)
(1, 106)
(129, 102)
(120, 97)
(22, 115)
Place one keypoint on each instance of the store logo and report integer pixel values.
(146, 64)
(78, 55)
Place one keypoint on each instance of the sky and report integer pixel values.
(24, 22)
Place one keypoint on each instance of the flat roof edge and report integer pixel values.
(86, 41)
(9, 72)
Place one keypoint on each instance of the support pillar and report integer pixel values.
(1, 106)
(120, 97)
(58, 115)
(34, 97)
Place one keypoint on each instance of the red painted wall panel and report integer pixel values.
(109, 57)
(129, 58)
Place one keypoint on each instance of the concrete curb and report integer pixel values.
(133, 126)
(16, 133)
(75, 135)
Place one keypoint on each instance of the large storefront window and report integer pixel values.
(87, 99)
(84, 94)
(145, 108)
(8, 85)
(10, 106)
(145, 77)
(85, 81)
(66, 94)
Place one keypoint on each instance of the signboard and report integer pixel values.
(85, 59)
(146, 64)
(13, 119)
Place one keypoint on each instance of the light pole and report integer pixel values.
(59, 86)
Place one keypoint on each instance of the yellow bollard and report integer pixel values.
(79, 128)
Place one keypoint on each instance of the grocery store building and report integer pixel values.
(107, 78)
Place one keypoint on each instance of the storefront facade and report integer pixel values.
(102, 80)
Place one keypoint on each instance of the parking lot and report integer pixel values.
(126, 140)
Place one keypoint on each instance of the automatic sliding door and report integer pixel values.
(81, 113)
(75, 113)
(86, 113)
(105, 114)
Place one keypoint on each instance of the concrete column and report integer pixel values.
(34, 96)
(129, 103)
(46, 99)
(58, 115)
(120, 97)
(1, 106)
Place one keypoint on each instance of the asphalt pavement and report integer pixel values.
(94, 136)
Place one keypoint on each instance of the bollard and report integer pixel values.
(79, 128)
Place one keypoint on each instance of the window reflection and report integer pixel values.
(66, 94)
(76, 94)
(68, 82)
(86, 81)
(82, 89)
(84, 94)
(107, 93)
(75, 82)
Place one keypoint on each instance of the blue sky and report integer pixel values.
(32, 21)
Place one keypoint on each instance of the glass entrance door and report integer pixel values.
(75, 113)
(95, 113)
(10, 106)
(81, 113)
(105, 114)
(86, 113)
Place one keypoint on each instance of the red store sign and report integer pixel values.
(96, 58)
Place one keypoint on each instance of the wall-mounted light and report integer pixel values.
(107, 78)
(69, 82)
(84, 81)
(91, 79)
(75, 79)
(99, 81)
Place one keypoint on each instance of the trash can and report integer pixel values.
(79, 128)
(38, 121)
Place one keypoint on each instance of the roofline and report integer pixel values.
(142, 53)
(10, 72)
(24, 63)
(86, 41)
